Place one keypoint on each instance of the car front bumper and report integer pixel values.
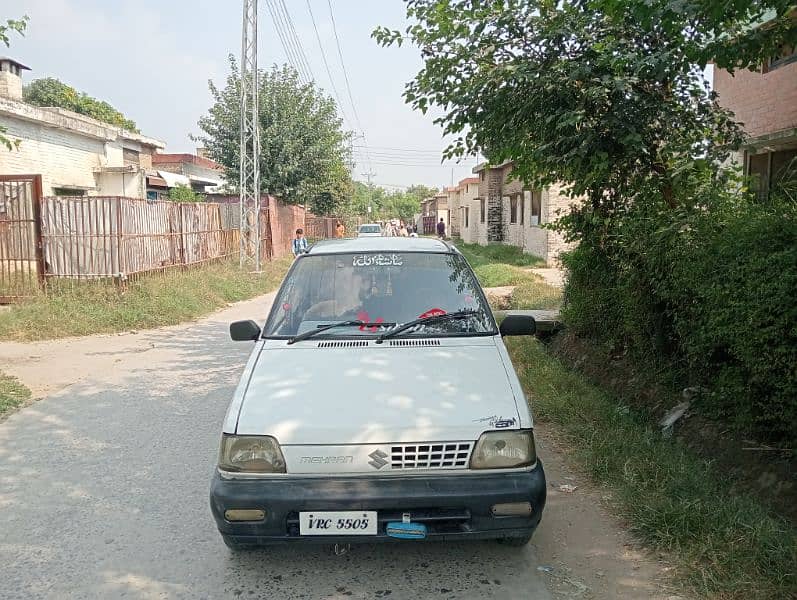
(452, 506)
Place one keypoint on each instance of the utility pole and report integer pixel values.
(249, 183)
(368, 176)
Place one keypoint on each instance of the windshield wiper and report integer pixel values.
(322, 328)
(452, 316)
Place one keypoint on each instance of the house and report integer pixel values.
(764, 100)
(75, 155)
(197, 171)
(467, 223)
(453, 209)
(432, 210)
(506, 211)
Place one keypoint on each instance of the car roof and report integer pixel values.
(380, 244)
(370, 225)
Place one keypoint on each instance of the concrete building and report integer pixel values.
(471, 230)
(202, 172)
(432, 210)
(508, 212)
(74, 154)
(764, 100)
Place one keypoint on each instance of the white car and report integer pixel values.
(379, 402)
(370, 230)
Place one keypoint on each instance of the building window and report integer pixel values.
(481, 210)
(786, 54)
(481, 175)
(769, 168)
(467, 217)
(513, 209)
(521, 200)
(535, 199)
(130, 157)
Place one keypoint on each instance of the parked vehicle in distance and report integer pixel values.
(370, 230)
(379, 403)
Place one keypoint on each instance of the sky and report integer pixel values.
(152, 59)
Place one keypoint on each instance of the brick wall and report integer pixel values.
(765, 102)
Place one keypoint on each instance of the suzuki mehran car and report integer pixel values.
(379, 403)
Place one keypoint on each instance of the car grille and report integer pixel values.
(442, 455)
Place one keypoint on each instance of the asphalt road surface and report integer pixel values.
(104, 493)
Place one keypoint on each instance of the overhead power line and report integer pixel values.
(346, 78)
(326, 67)
(288, 44)
(296, 40)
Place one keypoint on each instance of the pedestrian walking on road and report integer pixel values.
(441, 229)
(299, 243)
(340, 230)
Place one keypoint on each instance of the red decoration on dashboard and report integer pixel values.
(432, 312)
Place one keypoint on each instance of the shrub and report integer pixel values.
(710, 291)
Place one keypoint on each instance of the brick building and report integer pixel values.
(765, 102)
(74, 154)
(503, 210)
(202, 172)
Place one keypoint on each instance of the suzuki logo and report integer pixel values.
(378, 459)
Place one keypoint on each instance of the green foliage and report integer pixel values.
(11, 26)
(184, 193)
(49, 91)
(304, 151)
(70, 309)
(724, 545)
(710, 292)
(12, 393)
(387, 204)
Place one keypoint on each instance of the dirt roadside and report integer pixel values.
(582, 551)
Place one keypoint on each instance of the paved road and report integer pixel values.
(104, 494)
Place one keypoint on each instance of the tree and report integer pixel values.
(604, 95)
(184, 193)
(49, 91)
(11, 26)
(304, 150)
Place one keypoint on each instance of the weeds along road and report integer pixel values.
(104, 493)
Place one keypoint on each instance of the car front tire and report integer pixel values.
(515, 542)
(237, 546)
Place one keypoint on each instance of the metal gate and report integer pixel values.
(21, 257)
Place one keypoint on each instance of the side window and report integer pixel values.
(512, 208)
(536, 207)
(481, 210)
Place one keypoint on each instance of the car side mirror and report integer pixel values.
(517, 325)
(244, 331)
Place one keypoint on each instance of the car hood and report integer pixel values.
(306, 394)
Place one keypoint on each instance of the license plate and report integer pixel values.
(348, 522)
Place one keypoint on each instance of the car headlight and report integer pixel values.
(504, 450)
(250, 454)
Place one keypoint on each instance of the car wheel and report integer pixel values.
(237, 546)
(515, 542)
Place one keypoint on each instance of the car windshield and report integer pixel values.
(390, 288)
(370, 229)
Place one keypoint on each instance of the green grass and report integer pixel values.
(497, 253)
(12, 393)
(70, 309)
(723, 546)
(498, 265)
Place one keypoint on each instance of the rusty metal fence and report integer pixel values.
(21, 264)
(113, 237)
(93, 237)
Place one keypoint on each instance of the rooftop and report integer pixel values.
(379, 244)
(179, 158)
(14, 62)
